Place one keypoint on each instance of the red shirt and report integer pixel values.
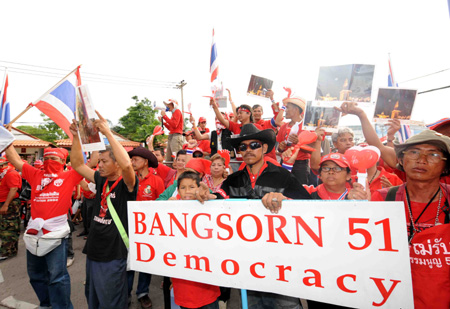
(55, 199)
(11, 180)
(283, 135)
(428, 217)
(236, 127)
(376, 183)
(150, 187)
(205, 145)
(174, 124)
(192, 294)
(166, 173)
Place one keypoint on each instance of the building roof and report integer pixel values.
(121, 139)
(24, 139)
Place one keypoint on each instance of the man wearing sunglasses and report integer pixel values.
(254, 181)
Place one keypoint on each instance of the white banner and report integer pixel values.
(347, 253)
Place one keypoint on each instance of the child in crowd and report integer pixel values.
(190, 294)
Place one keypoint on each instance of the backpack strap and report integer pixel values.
(392, 192)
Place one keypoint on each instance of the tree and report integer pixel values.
(139, 122)
(48, 131)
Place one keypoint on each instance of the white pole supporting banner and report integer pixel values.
(348, 253)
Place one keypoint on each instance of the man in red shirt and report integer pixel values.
(424, 158)
(175, 127)
(51, 198)
(9, 210)
(150, 187)
(287, 136)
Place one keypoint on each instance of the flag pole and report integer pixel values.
(42, 96)
(56, 85)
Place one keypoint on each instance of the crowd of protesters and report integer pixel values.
(243, 156)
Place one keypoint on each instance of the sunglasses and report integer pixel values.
(252, 145)
(197, 155)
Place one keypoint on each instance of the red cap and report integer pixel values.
(199, 165)
(201, 119)
(337, 158)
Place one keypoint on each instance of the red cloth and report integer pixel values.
(192, 294)
(428, 217)
(56, 198)
(253, 178)
(236, 127)
(87, 194)
(174, 124)
(166, 173)
(283, 134)
(376, 183)
(12, 179)
(150, 187)
(205, 145)
(324, 194)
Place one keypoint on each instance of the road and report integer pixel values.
(16, 291)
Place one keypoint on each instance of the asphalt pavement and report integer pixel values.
(16, 291)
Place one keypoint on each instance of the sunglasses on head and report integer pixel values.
(252, 145)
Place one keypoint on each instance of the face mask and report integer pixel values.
(219, 125)
(53, 167)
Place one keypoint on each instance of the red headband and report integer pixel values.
(58, 152)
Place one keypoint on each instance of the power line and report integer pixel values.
(88, 78)
(424, 76)
(142, 80)
(435, 89)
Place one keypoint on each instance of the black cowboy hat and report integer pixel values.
(249, 131)
(146, 154)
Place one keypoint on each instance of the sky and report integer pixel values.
(153, 45)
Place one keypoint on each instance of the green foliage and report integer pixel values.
(48, 131)
(139, 122)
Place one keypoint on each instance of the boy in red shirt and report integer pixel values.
(190, 294)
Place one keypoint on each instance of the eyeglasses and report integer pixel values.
(252, 145)
(335, 169)
(432, 157)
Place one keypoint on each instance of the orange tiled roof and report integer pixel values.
(68, 143)
(30, 143)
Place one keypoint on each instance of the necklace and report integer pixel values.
(373, 177)
(413, 229)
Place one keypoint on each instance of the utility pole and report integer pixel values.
(180, 86)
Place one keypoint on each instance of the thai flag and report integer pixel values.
(214, 65)
(433, 125)
(59, 102)
(404, 133)
(391, 80)
(4, 107)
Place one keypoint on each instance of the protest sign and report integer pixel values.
(85, 114)
(6, 138)
(351, 82)
(347, 253)
(258, 86)
(394, 103)
(319, 114)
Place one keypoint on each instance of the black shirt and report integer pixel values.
(104, 242)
